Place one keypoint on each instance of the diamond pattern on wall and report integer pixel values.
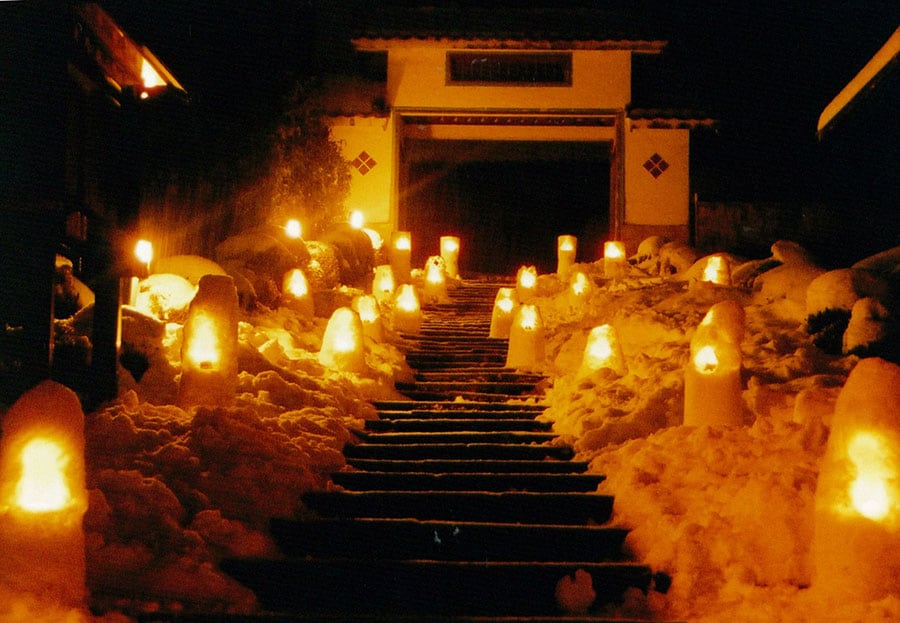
(656, 165)
(363, 163)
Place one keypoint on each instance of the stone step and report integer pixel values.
(425, 587)
(465, 481)
(405, 425)
(459, 414)
(438, 466)
(470, 451)
(415, 360)
(505, 507)
(467, 437)
(453, 405)
(436, 396)
(503, 375)
(361, 617)
(508, 388)
(406, 539)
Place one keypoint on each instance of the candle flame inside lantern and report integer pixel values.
(357, 220)
(143, 251)
(367, 308)
(505, 304)
(706, 360)
(528, 317)
(434, 274)
(869, 492)
(296, 283)
(600, 350)
(527, 277)
(716, 270)
(449, 244)
(293, 228)
(402, 243)
(204, 349)
(407, 299)
(42, 486)
(579, 283)
(566, 244)
(613, 249)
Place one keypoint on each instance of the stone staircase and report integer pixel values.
(457, 505)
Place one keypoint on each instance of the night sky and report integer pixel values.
(763, 69)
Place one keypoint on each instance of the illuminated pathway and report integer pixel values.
(450, 510)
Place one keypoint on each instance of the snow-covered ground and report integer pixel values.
(726, 511)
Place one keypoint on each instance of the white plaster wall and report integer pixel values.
(601, 79)
(369, 193)
(662, 200)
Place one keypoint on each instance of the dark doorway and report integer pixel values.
(507, 201)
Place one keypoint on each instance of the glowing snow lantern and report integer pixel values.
(725, 320)
(43, 496)
(209, 345)
(602, 351)
(566, 248)
(526, 339)
(526, 283)
(407, 316)
(343, 347)
(434, 287)
(716, 271)
(856, 544)
(614, 260)
(401, 250)
(383, 284)
(450, 254)
(295, 292)
(580, 289)
(293, 229)
(357, 219)
(712, 379)
(502, 315)
(367, 308)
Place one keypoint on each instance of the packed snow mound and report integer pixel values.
(841, 288)
(191, 267)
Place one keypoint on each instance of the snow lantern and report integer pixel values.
(434, 288)
(579, 290)
(502, 315)
(525, 350)
(856, 543)
(450, 253)
(209, 366)
(143, 251)
(293, 229)
(526, 283)
(724, 319)
(367, 307)
(401, 251)
(716, 271)
(407, 316)
(614, 259)
(602, 351)
(295, 293)
(343, 347)
(357, 220)
(712, 377)
(566, 248)
(383, 283)
(43, 496)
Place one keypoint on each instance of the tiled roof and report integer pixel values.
(543, 27)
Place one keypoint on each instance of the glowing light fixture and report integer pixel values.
(716, 271)
(401, 250)
(293, 229)
(357, 219)
(614, 259)
(450, 255)
(407, 313)
(209, 344)
(367, 307)
(383, 283)
(856, 543)
(526, 339)
(526, 283)
(712, 378)
(503, 313)
(43, 496)
(295, 293)
(143, 251)
(566, 249)
(343, 346)
(602, 351)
